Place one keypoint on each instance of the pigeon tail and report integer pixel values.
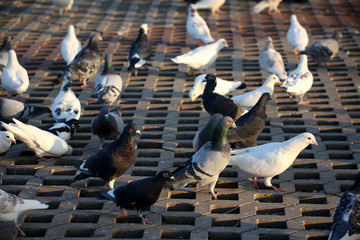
(107, 195)
(242, 86)
(80, 177)
(260, 6)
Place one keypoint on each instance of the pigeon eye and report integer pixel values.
(229, 121)
(309, 138)
(131, 129)
(7, 137)
(166, 175)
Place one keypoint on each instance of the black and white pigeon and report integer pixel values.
(4, 53)
(14, 77)
(87, 62)
(209, 161)
(140, 194)
(346, 222)
(113, 160)
(324, 49)
(108, 84)
(107, 124)
(249, 125)
(205, 134)
(44, 144)
(66, 105)
(216, 103)
(271, 159)
(12, 206)
(64, 130)
(140, 50)
(6, 138)
(10, 108)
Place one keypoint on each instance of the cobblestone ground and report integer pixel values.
(157, 100)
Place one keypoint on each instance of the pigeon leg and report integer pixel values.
(125, 213)
(85, 85)
(214, 195)
(135, 72)
(296, 52)
(220, 11)
(144, 220)
(255, 181)
(302, 102)
(45, 159)
(278, 189)
(65, 11)
(17, 230)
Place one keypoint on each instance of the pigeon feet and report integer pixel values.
(214, 195)
(302, 102)
(145, 221)
(45, 159)
(85, 85)
(255, 181)
(278, 189)
(125, 213)
(18, 230)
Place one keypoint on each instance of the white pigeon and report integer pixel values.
(14, 79)
(213, 5)
(299, 81)
(6, 138)
(271, 61)
(197, 27)
(12, 206)
(223, 87)
(201, 57)
(108, 84)
(297, 35)
(66, 105)
(70, 45)
(249, 99)
(271, 4)
(271, 159)
(45, 144)
(63, 5)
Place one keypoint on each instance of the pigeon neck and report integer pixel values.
(13, 61)
(6, 44)
(269, 86)
(260, 107)
(108, 68)
(71, 33)
(93, 45)
(296, 144)
(209, 88)
(128, 140)
(219, 140)
(303, 64)
(207, 131)
(142, 35)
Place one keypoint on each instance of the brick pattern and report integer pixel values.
(157, 100)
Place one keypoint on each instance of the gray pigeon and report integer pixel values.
(271, 61)
(207, 132)
(346, 222)
(324, 49)
(4, 53)
(209, 161)
(10, 109)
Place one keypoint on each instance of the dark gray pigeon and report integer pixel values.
(87, 62)
(107, 124)
(141, 194)
(216, 103)
(249, 125)
(209, 161)
(324, 49)
(140, 50)
(207, 132)
(10, 109)
(4, 53)
(64, 130)
(346, 222)
(113, 160)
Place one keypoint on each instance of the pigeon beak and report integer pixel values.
(315, 143)
(13, 141)
(172, 178)
(233, 125)
(138, 132)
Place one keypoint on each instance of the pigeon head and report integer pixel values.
(132, 129)
(219, 139)
(293, 19)
(104, 112)
(222, 43)
(214, 120)
(272, 80)
(73, 124)
(93, 41)
(71, 30)
(210, 80)
(269, 43)
(309, 138)
(144, 28)
(67, 84)
(6, 45)
(67, 76)
(337, 35)
(192, 10)
(166, 178)
(9, 136)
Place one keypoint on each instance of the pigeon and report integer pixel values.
(299, 81)
(14, 78)
(6, 138)
(197, 27)
(87, 62)
(223, 87)
(271, 159)
(250, 125)
(297, 35)
(66, 105)
(271, 4)
(216, 103)
(12, 206)
(271, 61)
(140, 194)
(63, 5)
(45, 145)
(207, 132)
(108, 84)
(70, 45)
(107, 124)
(324, 49)
(64, 130)
(113, 160)
(346, 222)
(140, 50)
(4, 53)
(209, 161)
(201, 57)
(10, 108)
(249, 99)
(213, 5)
